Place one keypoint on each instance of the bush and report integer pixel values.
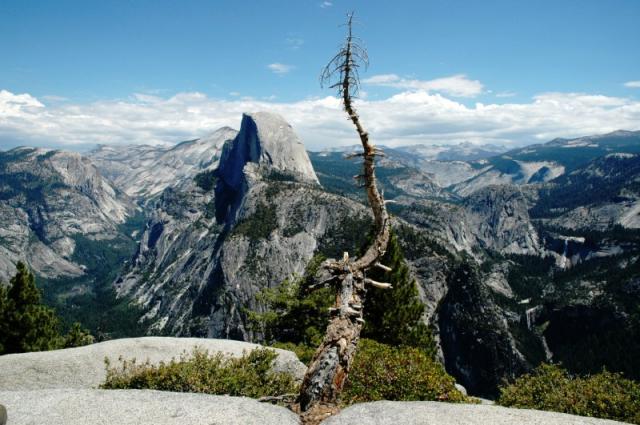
(604, 395)
(382, 372)
(248, 376)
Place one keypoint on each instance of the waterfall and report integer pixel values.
(563, 261)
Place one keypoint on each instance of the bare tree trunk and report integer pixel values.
(330, 366)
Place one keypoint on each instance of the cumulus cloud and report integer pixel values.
(409, 117)
(455, 85)
(326, 4)
(279, 68)
(632, 84)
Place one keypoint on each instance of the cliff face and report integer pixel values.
(205, 253)
(49, 198)
(143, 172)
(265, 141)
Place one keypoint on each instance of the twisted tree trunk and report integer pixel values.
(330, 366)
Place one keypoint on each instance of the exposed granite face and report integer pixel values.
(267, 140)
(47, 198)
(197, 276)
(143, 172)
(84, 367)
(206, 253)
(138, 407)
(431, 412)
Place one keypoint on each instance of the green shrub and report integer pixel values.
(248, 376)
(604, 395)
(382, 372)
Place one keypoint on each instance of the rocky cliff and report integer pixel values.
(143, 172)
(49, 199)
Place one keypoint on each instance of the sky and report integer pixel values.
(74, 74)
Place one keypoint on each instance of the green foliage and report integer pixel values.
(303, 351)
(394, 316)
(294, 315)
(28, 325)
(604, 395)
(90, 299)
(77, 337)
(382, 372)
(200, 372)
(206, 180)
(259, 225)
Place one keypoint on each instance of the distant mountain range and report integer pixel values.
(522, 256)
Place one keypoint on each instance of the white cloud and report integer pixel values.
(408, 117)
(506, 94)
(632, 84)
(326, 4)
(15, 105)
(455, 85)
(280, 68)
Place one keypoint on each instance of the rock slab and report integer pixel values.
(431, 413)
(84, 367)
(137, 407)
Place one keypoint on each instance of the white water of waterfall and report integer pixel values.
(563, 261)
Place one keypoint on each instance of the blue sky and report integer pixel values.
(65, 60)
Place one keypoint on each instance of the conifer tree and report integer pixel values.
(27, 325)
(395, 317)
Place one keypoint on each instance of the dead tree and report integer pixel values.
(331, 362)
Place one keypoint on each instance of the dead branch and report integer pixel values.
(330, 365)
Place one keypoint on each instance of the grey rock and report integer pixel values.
(138, 407)
(460, 388)
(143, 172)
(84, 367)
(48, 197)
(265, 140)
(428, 412)
(205, 254)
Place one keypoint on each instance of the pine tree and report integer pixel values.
(395, 317)
(27, 324)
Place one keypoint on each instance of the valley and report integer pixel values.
(520, 257)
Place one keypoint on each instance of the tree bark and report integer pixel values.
(330, 365)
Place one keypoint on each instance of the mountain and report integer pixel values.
(143, 172)
(518, 260)
(74, 229)
(459, 152)
(261, 217)
(209, 248)
(599, 194)
(529, 165)
(399, 182)
(49, 200)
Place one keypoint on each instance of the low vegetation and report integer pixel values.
(384, 372)
(603, 395)
(379, 372)
(201, 372)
